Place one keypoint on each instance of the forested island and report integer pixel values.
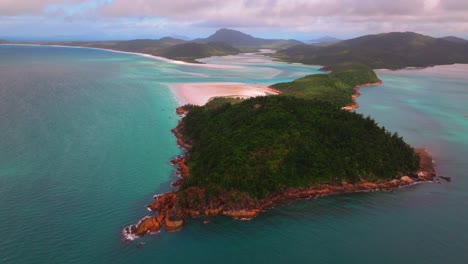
(245, 156)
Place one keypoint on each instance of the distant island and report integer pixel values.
(394, 50)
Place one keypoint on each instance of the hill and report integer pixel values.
(239, 39)
(266, 144)
(336, 88)
(191, 51)
(455, 39)
(389, 50)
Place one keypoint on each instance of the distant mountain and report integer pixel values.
(389, 50)
(325, 39)
(239, 39)
(455, 39)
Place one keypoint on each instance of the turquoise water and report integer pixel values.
(85, 144)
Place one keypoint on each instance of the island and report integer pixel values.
(394, 50)
(245, 156)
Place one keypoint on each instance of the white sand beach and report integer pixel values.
(201, 93)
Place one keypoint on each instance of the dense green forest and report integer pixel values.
(336, 88)
(394, 50)
(265, 144)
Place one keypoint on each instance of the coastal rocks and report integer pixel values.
(148, 224)
(407, 179)
(173, 225)
(181, 110)
(177, 183)
(192, 213)
(182, 169)
(213, 211)
(182, 141)
(163, 202)
(242, 214)
(445, 178)
(174, 219)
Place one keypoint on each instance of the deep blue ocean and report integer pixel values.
(85, 143)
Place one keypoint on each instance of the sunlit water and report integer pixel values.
(85, 143)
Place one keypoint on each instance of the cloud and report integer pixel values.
(33, 7)
(302, 15)
(15, 7)
(436, 17)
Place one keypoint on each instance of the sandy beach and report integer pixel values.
(201, 93)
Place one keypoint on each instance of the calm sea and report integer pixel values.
(85, 143)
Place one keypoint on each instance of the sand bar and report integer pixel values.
(201, 93)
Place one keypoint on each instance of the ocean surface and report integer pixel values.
(85, 143)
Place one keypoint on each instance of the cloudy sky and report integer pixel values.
(301, 19)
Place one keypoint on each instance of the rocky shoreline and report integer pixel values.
(173, 208)
(355, 105)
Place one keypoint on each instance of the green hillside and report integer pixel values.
(390, 50)
(336, 88)
(191, 51)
